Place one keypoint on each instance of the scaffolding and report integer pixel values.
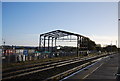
(51, 37)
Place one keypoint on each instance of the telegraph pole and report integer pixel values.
(3, 47)
(111, 46)
(116, 44)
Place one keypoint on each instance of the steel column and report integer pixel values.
(40, 43)
(52, 45)
(48, 43)
(55, 41)
(83, 44)
(55, 45)
(44, 43)
(87, 43)
(77, 46)
(80, 43)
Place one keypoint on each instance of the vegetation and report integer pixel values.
(91, 45)
(110, 48)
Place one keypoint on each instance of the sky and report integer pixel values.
(60, 0)
(119, 24)
(22, 22)
(0, 23)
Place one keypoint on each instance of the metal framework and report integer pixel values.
(82, 41)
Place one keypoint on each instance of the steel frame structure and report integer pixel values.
(82, 41)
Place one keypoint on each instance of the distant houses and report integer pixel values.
(17, 53)
(12, 54)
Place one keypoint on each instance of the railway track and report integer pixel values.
(31, 65)
(41, 67)
(49, 67)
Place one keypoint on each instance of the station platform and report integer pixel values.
(103, 70)
(106, 70)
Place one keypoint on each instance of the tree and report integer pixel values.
(91, 45)
(98, 47)
(110, 48)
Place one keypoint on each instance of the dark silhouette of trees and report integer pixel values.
(91, 45)
(110, 48)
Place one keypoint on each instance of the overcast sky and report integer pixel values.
(24, 21)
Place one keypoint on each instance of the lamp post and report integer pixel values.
(118, 73)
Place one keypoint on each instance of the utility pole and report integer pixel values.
(111, 43)
(3, 41)
(116, 44)
(3, 47)
(111, 46)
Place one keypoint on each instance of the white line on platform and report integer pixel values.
(78, 71)
(93, 71)
(82, 69)
(86, 76)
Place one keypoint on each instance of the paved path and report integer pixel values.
(107, 70)
(104, 69)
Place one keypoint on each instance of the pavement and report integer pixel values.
(103, 70)
(118, 77)
(0, 67)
